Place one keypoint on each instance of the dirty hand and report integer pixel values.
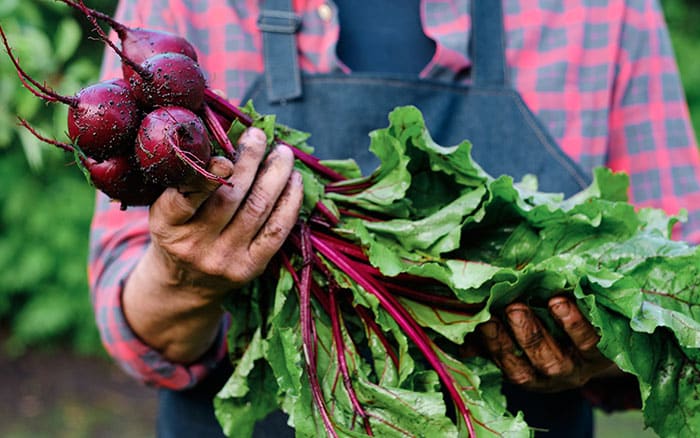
(222, 237)
(530, 357)
(208, 239)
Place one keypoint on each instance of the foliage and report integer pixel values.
(472, 239)
(45, 206)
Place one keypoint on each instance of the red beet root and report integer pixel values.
(104, 121)
(169, 79)
(139, 45)
(172, 142)
(163, 79)
(120, 179)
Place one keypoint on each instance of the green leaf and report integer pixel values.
(471, 240)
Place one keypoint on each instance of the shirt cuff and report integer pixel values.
(148, 365)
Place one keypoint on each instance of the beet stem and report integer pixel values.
(307, 330)
(114, 24)
(185, 156)
(212, 122)
(336, 317)
(371, 325)
(45, 92)
(145, 75)
(405, 321)
(327, 213)
(65, 146)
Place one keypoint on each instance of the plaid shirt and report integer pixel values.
(600, 74)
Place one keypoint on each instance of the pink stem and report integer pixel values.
(232, 112)
(371, 325)
(405, 321)
(342, 361)
(185, 156)
(307, 330)
(43, 92)
(214, 125)
(89, 13)
(327, 213)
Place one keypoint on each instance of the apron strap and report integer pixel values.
(279, 25)
(487, 43)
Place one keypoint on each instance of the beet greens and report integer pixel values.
(380, 310)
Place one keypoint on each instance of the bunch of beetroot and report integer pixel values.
(151, 129)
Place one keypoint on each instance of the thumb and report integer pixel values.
(177, 205)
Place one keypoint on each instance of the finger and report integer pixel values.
(221, 206)
(262, 196)
(539, 346)
(579, 330)
(177, 206)
(281, 221)
(503, 352)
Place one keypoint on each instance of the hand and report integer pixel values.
(217, 238)
(207, 240)
(529, 356)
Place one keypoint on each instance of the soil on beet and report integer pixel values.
(62, 395)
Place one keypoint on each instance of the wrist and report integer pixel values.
(174, 279)
(168, 311)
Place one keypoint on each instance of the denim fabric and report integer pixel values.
(339, 111)
(190, 413)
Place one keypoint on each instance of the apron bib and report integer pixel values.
(340, 110)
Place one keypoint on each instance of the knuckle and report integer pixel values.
(183, 203)
(225, 195)
(215, 267)
(589, 344)
(557, 368)
(257, 202)
(186, 253)
(532, 339)
(158, 229)
(275, 230)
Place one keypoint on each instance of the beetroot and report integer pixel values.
(163, 79)
(104, 121)
(140, 44)
(172, 142)
(120, 179)
(169, 79)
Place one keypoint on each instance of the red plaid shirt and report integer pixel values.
(600, 74)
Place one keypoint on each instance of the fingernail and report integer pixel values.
(517, 317)
(560, 309)
(254, 134)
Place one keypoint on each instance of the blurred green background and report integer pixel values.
(45, 210)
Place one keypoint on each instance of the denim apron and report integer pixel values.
(339, 111)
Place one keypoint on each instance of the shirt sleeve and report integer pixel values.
(651, 137)
(118, 239)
